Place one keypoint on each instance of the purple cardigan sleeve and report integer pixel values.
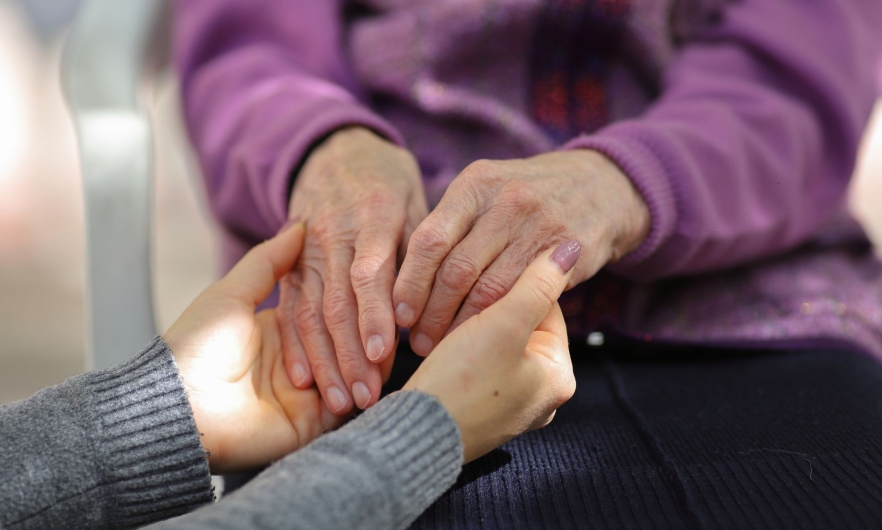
(752, 143)
(262, 81)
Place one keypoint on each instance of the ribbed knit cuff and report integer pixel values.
(152, 462)
(621, 143)
(419, 445)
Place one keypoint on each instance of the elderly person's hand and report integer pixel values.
(361, 197)
(508, 369)
(230, 359)
(495, 218)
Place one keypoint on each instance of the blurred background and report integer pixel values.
(42, 312)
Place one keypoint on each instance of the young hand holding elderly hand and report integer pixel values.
(503, 372)
(362, 198)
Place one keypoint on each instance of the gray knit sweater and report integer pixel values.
(118, 448)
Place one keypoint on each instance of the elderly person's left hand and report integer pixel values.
(495, 218)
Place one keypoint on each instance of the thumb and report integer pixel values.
(253, 278)
(535, 293)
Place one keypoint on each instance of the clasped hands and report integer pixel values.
(478, 285)
(364, 206)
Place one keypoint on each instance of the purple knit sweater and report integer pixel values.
(738, 123)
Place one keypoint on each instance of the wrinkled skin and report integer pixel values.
(363, 204)
(495, 218)
(361, 197)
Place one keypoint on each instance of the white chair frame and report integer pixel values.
(104, 58)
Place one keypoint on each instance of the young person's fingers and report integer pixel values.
(554, 323)
(532, 297)
(253, 278)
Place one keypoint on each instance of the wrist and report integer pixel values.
(626, 212)
(200, 418)
(339, 148)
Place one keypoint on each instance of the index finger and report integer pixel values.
(536, 292)
(430, 243)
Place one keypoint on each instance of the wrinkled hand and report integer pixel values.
(230, 359)
(495, 218)
(508, 369)
(361, 197)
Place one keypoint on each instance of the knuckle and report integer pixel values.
(307, 317)
(459, 271)
(432, 322)
(350, 364)
(480, 169)
(428, 240)
(337, 307)
(488, 291)
(324, 368)
(371, 315)
(364, 271)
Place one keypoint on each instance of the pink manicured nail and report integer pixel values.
(404, 314)
(375, 348)
(567, 254)
(298, 375)
(336, 400)
(361, 394)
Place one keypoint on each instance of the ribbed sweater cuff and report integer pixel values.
(622, 144)
(147, 446)
(419, 444)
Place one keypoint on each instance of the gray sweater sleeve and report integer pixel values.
(115, 448)
(380, 471)
(118, 448)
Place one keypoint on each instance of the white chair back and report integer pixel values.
(105, 55)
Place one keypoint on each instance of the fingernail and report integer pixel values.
(421, 344)
(375, 348)
(336, 399)
(404, 314)
(289, 223)
(567, 254)
(299, 375)
(361, 394)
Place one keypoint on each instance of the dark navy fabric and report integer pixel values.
(690, 439)
(683, 438)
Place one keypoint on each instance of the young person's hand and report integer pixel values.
(507, 370)
(361, 197)
(231, 361)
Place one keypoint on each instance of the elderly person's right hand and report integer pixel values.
(507, 369)
(361, 197)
